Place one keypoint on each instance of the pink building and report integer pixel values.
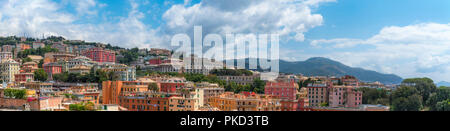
(100, 55)
(350, 81)
(345, 96)
(318, 93)
(282, 90)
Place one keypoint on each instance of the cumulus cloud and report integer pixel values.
(37, 17)
(410, 51)
(289, 18)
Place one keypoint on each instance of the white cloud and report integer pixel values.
(410, 51)
(37, 17)
(289, 18)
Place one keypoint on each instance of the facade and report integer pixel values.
(345, 96)
(317, 94)
(9, 68)
(171, 85)
(124, 72)
(46, 89)
(80, 69)
(183, 104)
(240, 80)
(238, 102)
(22, 47)
(100, 55)
(7, 48)
(350, 81)
(58, 56)
(111, 90)
(5, 56)
(208, 91)
(282, 90)
(145, 102)
(80, 60)
(53, 68)
(37, 45)
(24, 77)
(29, 67)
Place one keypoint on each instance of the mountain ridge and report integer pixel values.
(320, 66)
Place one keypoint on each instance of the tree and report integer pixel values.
(153, 87)
(375, 96)
(425, 86)
(40, 75)
(258, 86)
(441, 94)
(443, 105)
(15, 93)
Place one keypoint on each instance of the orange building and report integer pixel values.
(148, 101)
(113, 89)
(238, 102)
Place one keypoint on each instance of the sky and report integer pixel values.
(409, 38)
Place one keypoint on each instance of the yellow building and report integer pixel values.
(239, 102)
(183, 104)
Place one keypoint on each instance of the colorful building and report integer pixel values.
(345, 96)
(9, 68)
(318, 94)
(100, 55)
(282, 90)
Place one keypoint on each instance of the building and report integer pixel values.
(35, 58)
(172, 84)
(24, 77)
(45, 89)
(208, 90)
(37, 45)
(111, 90)
(53, 68)
(29, 67)
(318, 94)
(145, 101)
(345, 96)
(80, 60)
(183, 104)
(80, 69)
(61, 47)
(350, 81)
(100, 55)
(160, 52)
(282, 90)
(229, 101)
(58, 56)
(5, 56)
(240, 80)
(124, 72)
(7, 48)
(22, 47)
(9, 68)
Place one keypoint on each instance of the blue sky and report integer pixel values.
(410, 38)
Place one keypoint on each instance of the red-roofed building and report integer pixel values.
(100, 55)
(282, 90)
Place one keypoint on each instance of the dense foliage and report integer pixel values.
(89, 106)
(38, 51)
(15, 93)
(40, 75)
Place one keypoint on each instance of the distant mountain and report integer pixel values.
(443, 83)
(319, 66)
